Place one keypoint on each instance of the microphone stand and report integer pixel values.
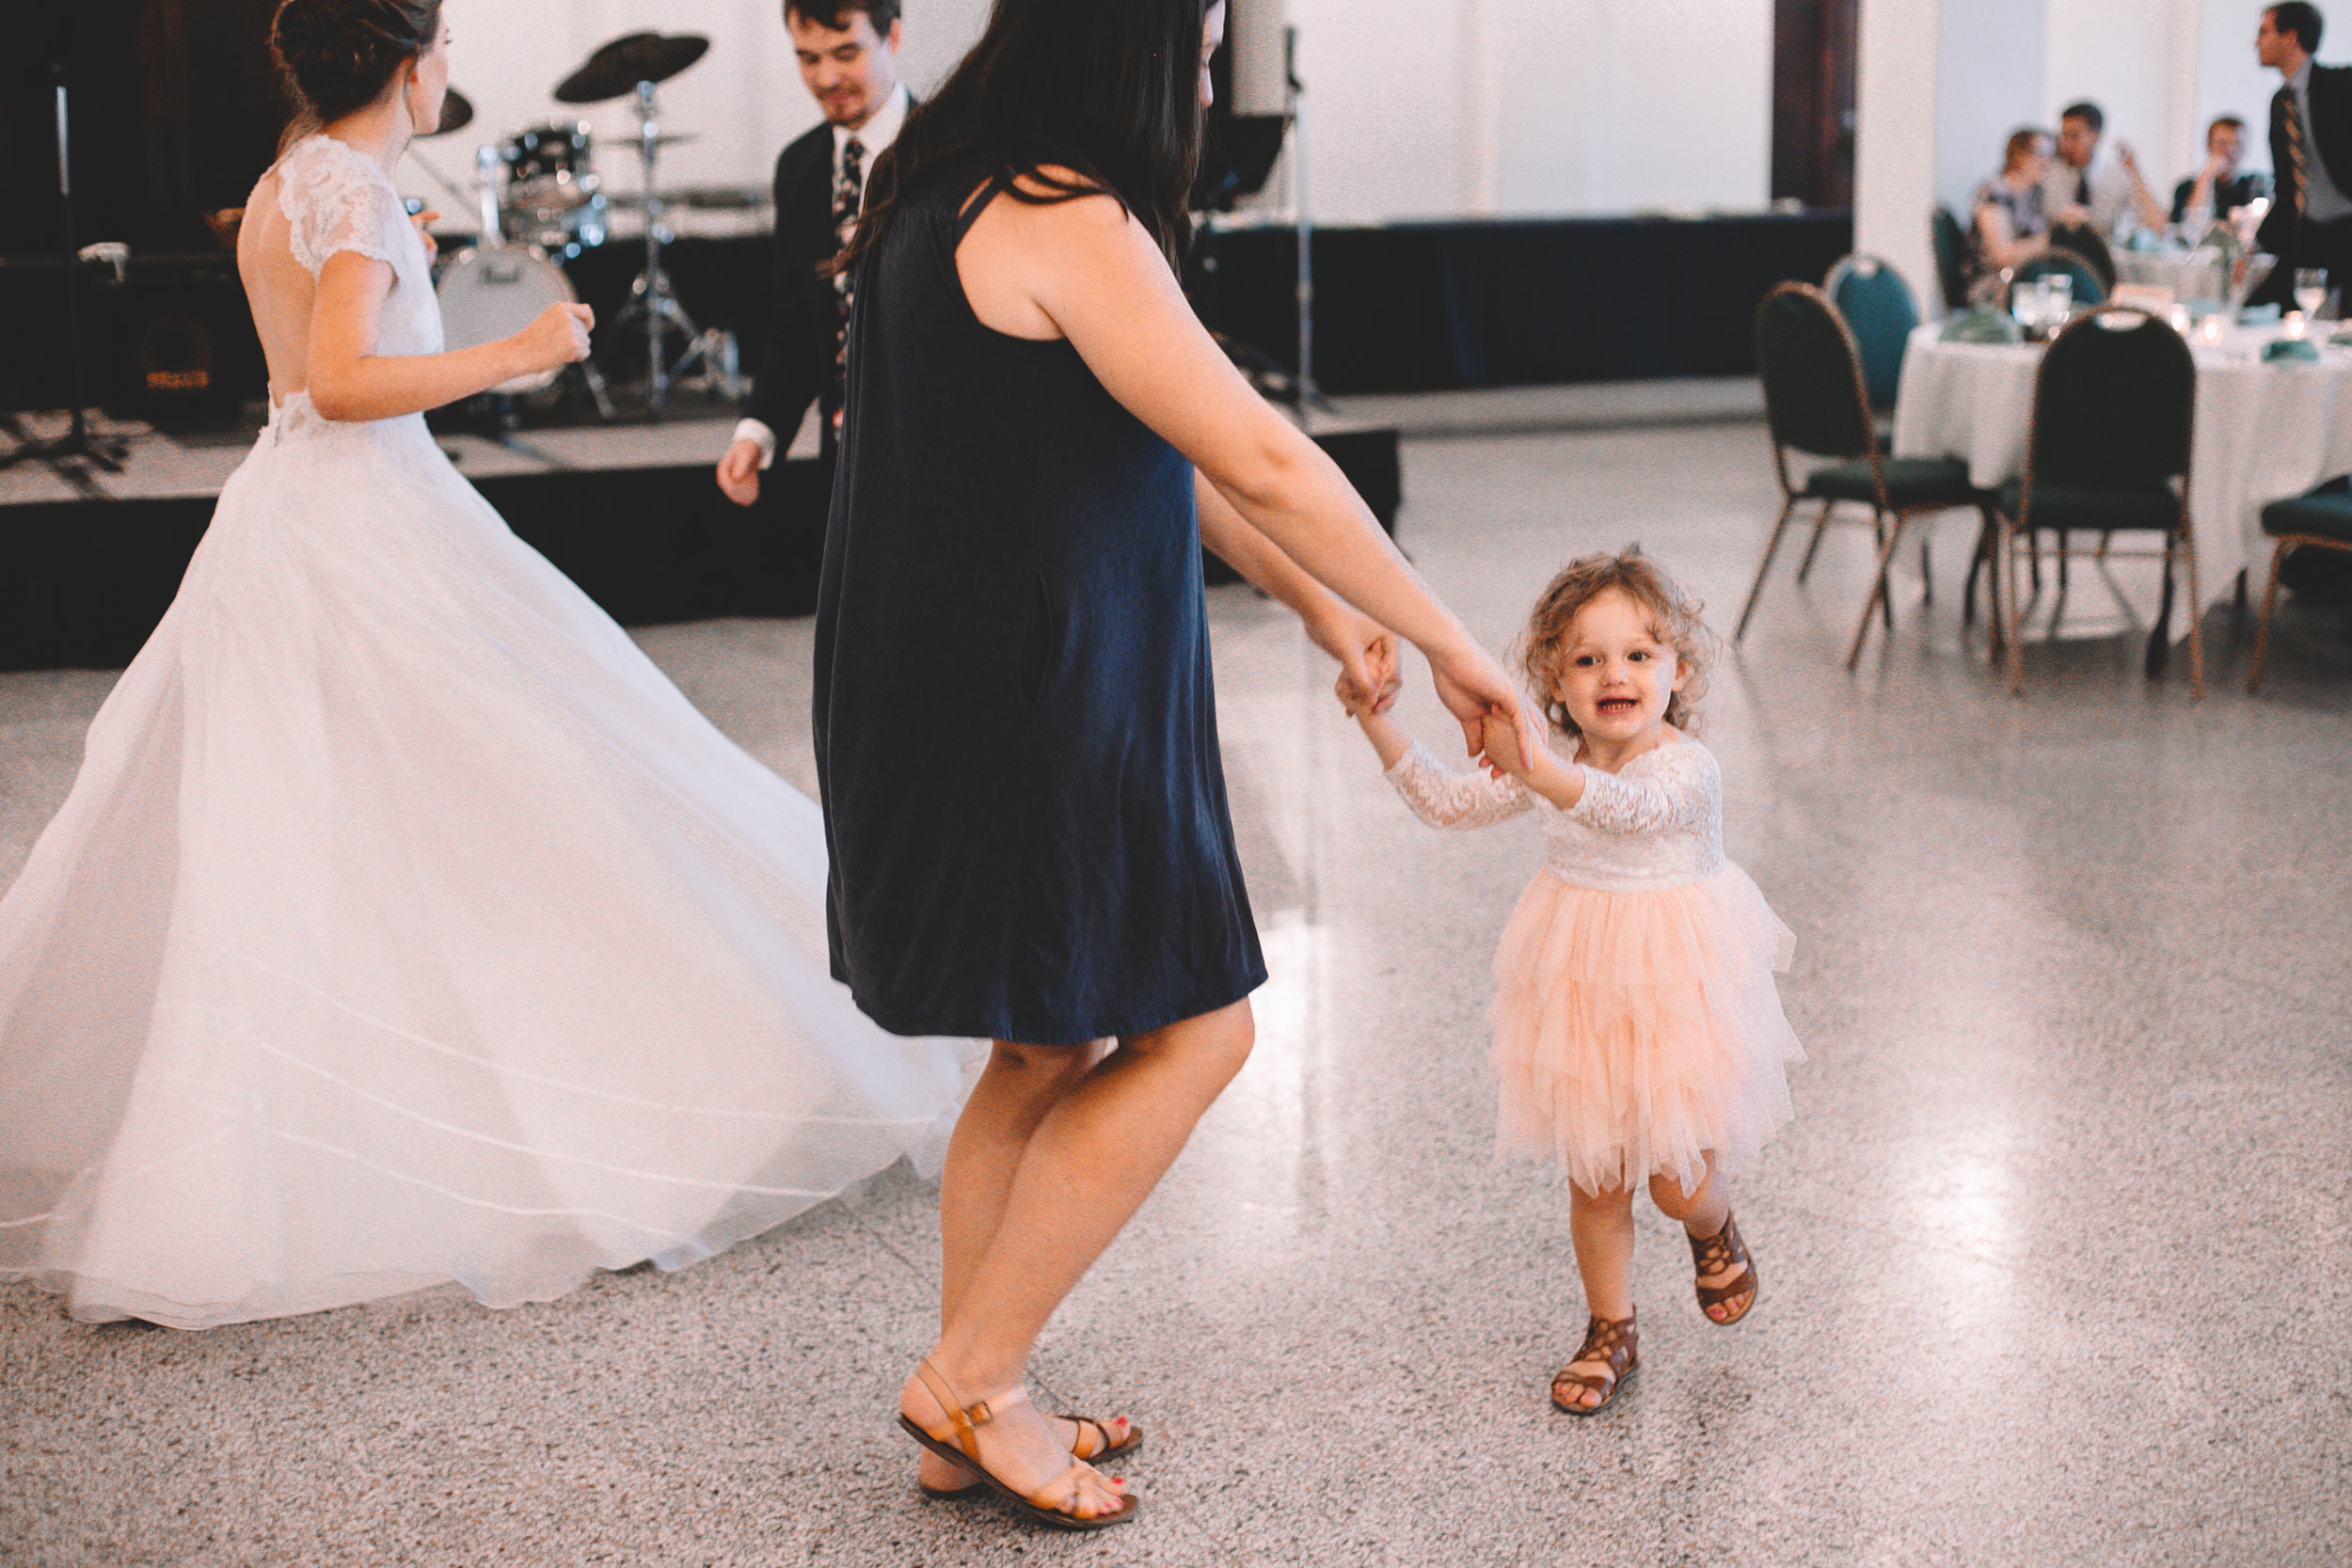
(77, 441)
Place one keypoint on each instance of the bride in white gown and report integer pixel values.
(405, 923)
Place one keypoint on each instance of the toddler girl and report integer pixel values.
(1638, 1035)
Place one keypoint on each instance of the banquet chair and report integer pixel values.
(2114, 412)
(2080, 240)
(2059, 261)
(1817, 404)
(2321, 520)
(1881, 311)
(1949, 241)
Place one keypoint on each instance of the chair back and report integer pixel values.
(1881, 311)
(2114, 404)
(1812, 373)
(2084, 242)
(2057, 261)
(1949, 241)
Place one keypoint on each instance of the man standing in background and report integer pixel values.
(2311, 151)
(2080, 193)
(849, 58)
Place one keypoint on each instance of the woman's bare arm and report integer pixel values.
(1365, 648)
(349, 380)
(1085, 271)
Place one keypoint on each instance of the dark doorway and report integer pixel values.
(1813, 119)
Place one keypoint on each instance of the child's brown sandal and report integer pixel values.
(1713, 1255)
(1615, 1343)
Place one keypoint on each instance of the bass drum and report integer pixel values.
(487, 294)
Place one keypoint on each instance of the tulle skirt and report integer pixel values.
(1638, 1033)
(404, 925)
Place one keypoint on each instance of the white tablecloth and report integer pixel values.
(2265, 432)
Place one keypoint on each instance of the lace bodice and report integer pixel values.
(1658, 823)
(338, 198)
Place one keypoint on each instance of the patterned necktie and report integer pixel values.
(2295, 148)
(848, 195)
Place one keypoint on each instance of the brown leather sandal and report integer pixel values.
(1713, 1255)
(1615, 1342)
(963, 1447)
(1093, 1442)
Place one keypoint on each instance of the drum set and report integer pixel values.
(541, 203)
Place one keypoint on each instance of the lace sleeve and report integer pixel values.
(1445, 800)
(333, 200)
(1674, 789)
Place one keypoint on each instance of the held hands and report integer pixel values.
(557, 337)
(1501, 745)
(738, 472)
(1475, 690)
(1367, 653)
(432, 245)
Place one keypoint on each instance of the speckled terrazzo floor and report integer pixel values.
(2057, 1257)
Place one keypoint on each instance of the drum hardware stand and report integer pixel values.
(493, 237)
(77, 441)
(650, 296)
(1305, 393)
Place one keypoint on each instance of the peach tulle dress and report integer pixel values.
(1637, 1027)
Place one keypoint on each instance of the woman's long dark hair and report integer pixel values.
(1107, 89)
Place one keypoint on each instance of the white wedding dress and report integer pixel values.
(405, 923)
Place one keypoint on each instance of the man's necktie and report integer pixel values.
(2294, 150)
(2082, 190)
(848, 193)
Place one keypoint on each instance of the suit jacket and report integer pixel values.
(804, 311)
(2329, 139)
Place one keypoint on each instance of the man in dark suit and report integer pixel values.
(848, 57)
(2310, 224)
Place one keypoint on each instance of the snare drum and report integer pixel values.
(550, 172)
(491, 293)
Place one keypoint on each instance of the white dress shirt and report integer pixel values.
(2112, 194)
(875, 136)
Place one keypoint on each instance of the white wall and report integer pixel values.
(1535, 108)
(2228, 80)
(1897, 82)
(1991, 63)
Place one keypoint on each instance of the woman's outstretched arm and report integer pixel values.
(1085, 271)
(349, 380)
(1365, 647)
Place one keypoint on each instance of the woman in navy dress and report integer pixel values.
(1016, 737)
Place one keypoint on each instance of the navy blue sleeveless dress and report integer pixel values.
(1017, 733)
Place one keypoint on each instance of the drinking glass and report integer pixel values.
(2311, 289)
(2060, 296)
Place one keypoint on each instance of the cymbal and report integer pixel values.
(615, 70)
(457, 113)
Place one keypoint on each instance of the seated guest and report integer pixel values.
(2219, 188)
(2009, 227)
(2080, 191)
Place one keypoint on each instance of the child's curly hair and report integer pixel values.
(1674, 620)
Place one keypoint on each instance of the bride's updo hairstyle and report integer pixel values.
(338, 56)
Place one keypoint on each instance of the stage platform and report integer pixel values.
(90, 560)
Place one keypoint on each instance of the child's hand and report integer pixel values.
(1501, 745)
(1358, 700)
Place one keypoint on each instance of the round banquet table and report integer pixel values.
(2264, 432)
